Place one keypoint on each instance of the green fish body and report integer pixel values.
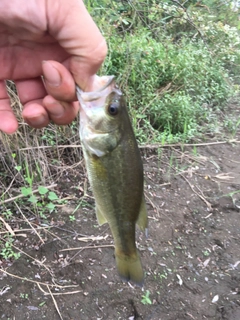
(115, 172)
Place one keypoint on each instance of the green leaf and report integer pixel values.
(26, 191)
(18, 168)
(42, 190)
(29, 180)
(146, 299)
(52, 196)
(50, 206)
(33, 199)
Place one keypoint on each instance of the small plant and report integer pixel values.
(163, 275)
(206, 253)
(24, 295)
(43, 200)
(145, 298)
(7, 214)
(7, 251)
(194, 151)
(232, 125)
(72, 218)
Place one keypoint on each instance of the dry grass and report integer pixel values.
(31, 158)
(37, 152)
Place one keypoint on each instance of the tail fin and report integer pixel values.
(130, 269)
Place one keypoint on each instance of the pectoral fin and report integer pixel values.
(142, 221)
(100, 216)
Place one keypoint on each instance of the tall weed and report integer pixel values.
(169, 83)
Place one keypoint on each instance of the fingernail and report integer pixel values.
(51, 75)
(37, 121)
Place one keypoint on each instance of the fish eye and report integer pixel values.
(113, 109)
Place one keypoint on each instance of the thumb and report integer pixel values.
(74, 29)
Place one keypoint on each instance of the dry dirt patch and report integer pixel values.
(191, 256)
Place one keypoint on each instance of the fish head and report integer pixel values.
(101, 117)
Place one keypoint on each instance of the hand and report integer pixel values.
(54, 38)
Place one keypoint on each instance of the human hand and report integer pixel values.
(54, 38)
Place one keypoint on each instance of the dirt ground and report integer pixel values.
(191, 257)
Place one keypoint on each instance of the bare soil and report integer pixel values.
(191, 256)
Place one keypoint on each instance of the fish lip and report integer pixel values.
(94, 95)
(105, 90)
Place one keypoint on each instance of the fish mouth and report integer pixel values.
(103, 83)
(92, 99)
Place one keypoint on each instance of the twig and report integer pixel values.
(37, 282)
(231, 160)
(92, 238)
(164, 184)
(55, 303)
(35, 260)
(156, 208)
(192, 187)
(89, 247)
(156, 146)
(51, 147)
(152, 204)
(15, 235)
(15, 231)
(44, 229)
(58, 293)
(193, 158)
(8, 227)
(9, 185)
(22, 195)
(26, 220)
(199, 195)
(28, 229)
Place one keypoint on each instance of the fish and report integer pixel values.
(115, 171)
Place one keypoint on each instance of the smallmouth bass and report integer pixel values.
(115, 171)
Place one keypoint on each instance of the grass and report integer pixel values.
(31, 163)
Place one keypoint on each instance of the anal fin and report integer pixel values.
(100, 216)
(142, 220)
